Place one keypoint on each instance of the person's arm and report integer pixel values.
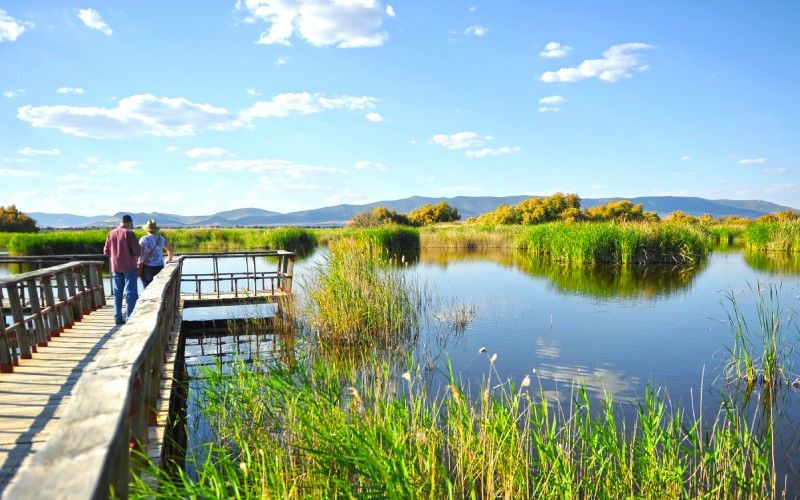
(141, 254)
(106, 247)
(169, 249)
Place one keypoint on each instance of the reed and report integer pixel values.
(398, 240)
(773, 236)
(759, 353)
(460, 237)
(616, 243)
(92, 241)
(5, 238)
(317, 431)
(357, 296)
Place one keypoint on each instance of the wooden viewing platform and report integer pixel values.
(77, 392)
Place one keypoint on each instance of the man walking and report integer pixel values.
(122, 250)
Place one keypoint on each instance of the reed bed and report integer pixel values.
(617, 243)
(5, 238)
(460, 237)
(397, 240)
(316, 431)
(358, 296)
(92, 241)
(773, 236)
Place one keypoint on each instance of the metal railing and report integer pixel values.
(42, 304)
(269, 281)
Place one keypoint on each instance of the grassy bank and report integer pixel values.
(316, 431)
(773, 236)
(590, 243)
(470, 237)
(395, 239)
(91, 241)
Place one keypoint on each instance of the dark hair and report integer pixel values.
(127, 218)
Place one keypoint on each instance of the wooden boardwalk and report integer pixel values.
(34, 396)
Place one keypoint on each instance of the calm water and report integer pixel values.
(613, 330)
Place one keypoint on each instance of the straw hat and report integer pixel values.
(151, 226)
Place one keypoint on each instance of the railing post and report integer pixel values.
(17, 315)
(73, 298)
(288, 273)
(53, 324)
(7, 357)
(98, 276)
(84, 299)
(65, 308)
(36, 313)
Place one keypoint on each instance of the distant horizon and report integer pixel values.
(211, 107)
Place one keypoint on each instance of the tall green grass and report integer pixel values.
(398, 240)
(617, 243)
(461, 237)
(92, 241)
(318, 432)
(773, 236)
(357, 297)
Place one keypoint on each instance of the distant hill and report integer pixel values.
(468, 206)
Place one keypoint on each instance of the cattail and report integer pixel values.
(526, 381)
(407, 376)
(493, 358)
(243, 466)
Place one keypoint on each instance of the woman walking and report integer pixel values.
(151, 260)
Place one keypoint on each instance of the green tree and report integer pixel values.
(379, 216)
(428, 214)
(14, 221)
(620, 211)
(682, 217)
(782, 216)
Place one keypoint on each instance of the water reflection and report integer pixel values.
(774, 262)
(603, 281)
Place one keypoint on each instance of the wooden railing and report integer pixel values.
(42, 304)
(88, 455)
(254, 282)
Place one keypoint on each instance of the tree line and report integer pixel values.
(14, 221)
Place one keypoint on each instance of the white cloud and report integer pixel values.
(127, 166)
(322, 23)
(28, 151)
(264, 166)
(252, 92)
(484, 152)
(686, 158)
(204, 152)
(371, 165)
(459, 140)
(551, 104)
(9, 94)
(555, 50)
(4, 172)
(142, 114)
(283, 105)
(776, 171)
(478, 31)
(70, 90)
(617, 62)
(280, 61)
(92, 19)
(10, 28)
(171, 149)
(374, 117)
(96, 167)
(752, 161)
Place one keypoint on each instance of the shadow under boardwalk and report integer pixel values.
(34, 396)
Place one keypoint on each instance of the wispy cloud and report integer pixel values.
(551, 104)
(370, 165)
(5, 172)
(374, 117)
(776, 171)
(322, 23)
(206, 152)
(70, 90)
(618, 62)
(553, 50)
(752, 161)
(264, 166)
(92, 19)
(283, 105)
(10, 94)
(484, 152)
(459, 140)
(28, 151)
(10, 28)
(686, 158)
(478, 31)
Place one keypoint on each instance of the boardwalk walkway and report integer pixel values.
(34, 396)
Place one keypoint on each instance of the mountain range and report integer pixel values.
(468, 206)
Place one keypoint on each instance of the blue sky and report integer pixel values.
(285, 105)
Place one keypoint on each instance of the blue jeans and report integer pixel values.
(126, 282)
(149, 273)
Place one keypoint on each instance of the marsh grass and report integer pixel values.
(773, 236)
(760, 353)
(461, 237)
(397, 240)
(91, 241)
(617, 243)
(359, 295)
(317, 431)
